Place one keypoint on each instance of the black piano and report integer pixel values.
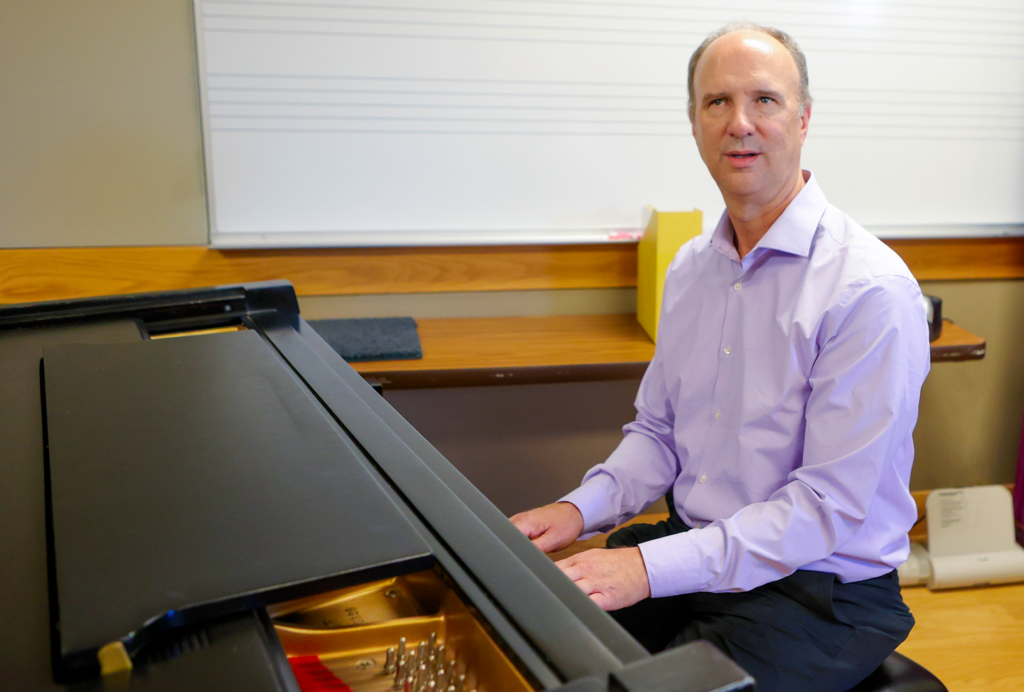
(198, 493)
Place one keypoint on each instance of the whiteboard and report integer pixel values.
(450, 122)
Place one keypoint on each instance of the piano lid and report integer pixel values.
(193, 477)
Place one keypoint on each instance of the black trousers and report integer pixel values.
(808, 632)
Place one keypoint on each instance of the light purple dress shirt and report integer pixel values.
(779, 407)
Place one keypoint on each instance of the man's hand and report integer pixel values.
(613, 578)
(551, 527)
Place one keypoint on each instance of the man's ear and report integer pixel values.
(805, 120)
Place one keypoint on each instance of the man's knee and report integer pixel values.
(626, 537)
(804, 632)
(635, 534)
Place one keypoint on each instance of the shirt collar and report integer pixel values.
(792, 232)
(722, 238)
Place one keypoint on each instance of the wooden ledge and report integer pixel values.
(957, 344)
(473, 351)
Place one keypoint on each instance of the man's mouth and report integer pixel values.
(742, 159)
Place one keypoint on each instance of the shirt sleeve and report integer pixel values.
(641, 469)
(864, 391)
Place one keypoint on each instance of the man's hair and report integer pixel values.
(739, 25)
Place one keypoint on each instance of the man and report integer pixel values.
(777, 412)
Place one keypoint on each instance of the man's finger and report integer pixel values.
(549, 540)
(571, 571)
(551, 527)
(601, 600)
(528, 527)
(566, 562)
(543, 542)
(588, 586)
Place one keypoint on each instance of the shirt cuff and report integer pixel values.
(591, 499)
(673, 564)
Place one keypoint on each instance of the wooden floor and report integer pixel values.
(972, 639)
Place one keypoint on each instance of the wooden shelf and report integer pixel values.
(956, 344)
(473, 351)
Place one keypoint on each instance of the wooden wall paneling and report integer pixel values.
(28, 275)
(962, 258)
(50, 274)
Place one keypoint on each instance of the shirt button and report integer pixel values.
(696, 524)
(727, 350)
(718, 415)
(703, 478)
(737, 286)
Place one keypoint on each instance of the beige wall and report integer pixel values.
(101, 142)
(101, 145)
(970, 421)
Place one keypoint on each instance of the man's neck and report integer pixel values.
(751, 220)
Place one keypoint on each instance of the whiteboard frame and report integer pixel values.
(952, 230)
(204, 117)
(284, 240)
(289, 239)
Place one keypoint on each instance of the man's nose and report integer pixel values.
(741, 123)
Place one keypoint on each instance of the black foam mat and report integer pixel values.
(371, 338)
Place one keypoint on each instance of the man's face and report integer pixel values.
(748, 123)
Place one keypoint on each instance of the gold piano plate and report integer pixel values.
(351, 631)
(379, 601)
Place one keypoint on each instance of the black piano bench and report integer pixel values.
(899, 674)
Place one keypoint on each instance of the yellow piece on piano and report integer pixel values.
(114, 658)
(665, 232)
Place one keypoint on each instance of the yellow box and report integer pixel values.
(665, 232)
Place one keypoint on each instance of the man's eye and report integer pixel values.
(717, 102)
(765, 99)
